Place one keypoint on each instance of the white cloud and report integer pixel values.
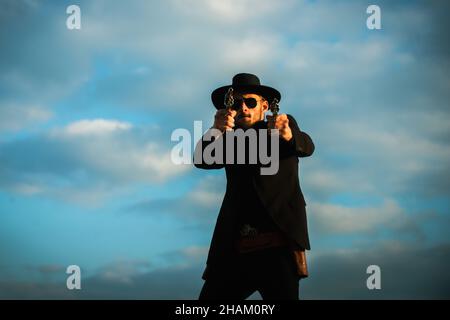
(88, 161)
(195, 253)
(333, 218)
(14, 117)
(248, 51)
(199, 205)
(321, 179)
(27, 188)
(110, 147)
(95, 126)
(208, 193)
(206, 197)
(124, 271)
(406, 153)
(241, 12)
(121, 280)
(329, 65)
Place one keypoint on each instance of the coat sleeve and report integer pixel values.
(301, 142)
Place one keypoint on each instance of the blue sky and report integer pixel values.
(86, 118)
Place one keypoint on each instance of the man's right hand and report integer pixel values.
(224, 119)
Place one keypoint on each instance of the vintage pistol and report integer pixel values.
(228, 101)
(274, 107)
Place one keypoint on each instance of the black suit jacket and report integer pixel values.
(280, 194)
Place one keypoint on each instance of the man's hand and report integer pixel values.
(224, 119)
(280, 122)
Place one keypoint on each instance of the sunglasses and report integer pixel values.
(249, 102)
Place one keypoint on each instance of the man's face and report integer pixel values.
(246, 116)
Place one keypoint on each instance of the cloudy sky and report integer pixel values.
(86, 118)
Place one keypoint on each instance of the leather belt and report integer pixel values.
(261, 241)
(266, 240)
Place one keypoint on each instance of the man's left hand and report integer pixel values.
(280, 122)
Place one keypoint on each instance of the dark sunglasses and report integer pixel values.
(249, 102)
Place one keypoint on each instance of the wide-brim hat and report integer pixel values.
(244, 83)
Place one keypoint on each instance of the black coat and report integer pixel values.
(280, 194)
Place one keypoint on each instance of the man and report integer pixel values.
(261, 231)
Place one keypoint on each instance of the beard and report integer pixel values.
(243, 121)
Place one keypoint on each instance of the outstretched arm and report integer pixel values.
(302, 142)
(223, 121)
(292, 139)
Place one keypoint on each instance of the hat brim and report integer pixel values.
(218, 95)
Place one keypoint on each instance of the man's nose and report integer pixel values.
(243, 107)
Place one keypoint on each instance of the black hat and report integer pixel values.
(242, 83)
